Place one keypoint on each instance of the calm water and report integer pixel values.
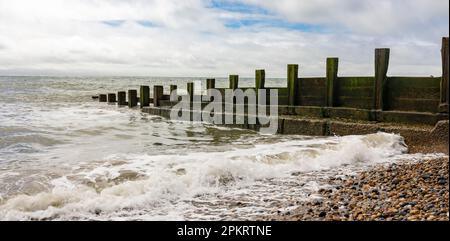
(66, 157)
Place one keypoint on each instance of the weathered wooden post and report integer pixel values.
(260, 79)
(234, 81)
(332, 78)
(158, 92)
(102, 98)
(144, 96)
(173, 88)
(122, 98)
(132, 98)
(210, 84)
(190, 91)
(443, 107)
(381, 69)
(112, 98)
(293, 86)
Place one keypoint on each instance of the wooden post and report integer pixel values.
(190, 90)
(210, 84)
(332, 77)
(158, 92)
(381, 69)
(443, 107)
(112, 98)
(173, 88)
(102, 98)
(293, 87)
(122, 98)
(132, 98)
(260, 79)
(234, 81)
(144, 96)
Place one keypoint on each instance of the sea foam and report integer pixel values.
(143, 186)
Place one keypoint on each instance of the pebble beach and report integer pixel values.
(397, 192)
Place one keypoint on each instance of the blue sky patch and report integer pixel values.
(233, 6)
(114, 23)
(146, 23)
(273, 23)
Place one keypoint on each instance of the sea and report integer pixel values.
(65, 156)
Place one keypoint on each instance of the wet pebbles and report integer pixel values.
(397, 192)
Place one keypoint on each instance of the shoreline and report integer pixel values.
(405, 191)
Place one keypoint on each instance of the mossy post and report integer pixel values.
(332, 78)
(234, 82)
(293, 87)
(210, 84)
(102, 98)
(173, 88)
(144, 96)
(381, 69)
(112, 98)
(190, 91)
(443, 107)
(132, 98)
(158, 92)
(260, 79)
(121, 98)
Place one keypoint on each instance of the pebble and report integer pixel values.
(404, 191)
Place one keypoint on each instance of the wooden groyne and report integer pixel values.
(415, 107)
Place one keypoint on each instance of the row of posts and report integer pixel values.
(293, 83)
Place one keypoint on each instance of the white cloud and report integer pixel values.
(190, 39)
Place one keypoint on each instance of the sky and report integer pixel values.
(215, 38)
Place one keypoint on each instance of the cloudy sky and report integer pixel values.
(218, 37)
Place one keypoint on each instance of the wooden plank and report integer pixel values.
(414, 82)
(414, 104)
(356, 81)
(313, 82)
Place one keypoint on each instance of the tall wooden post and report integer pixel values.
(381, 69)
(190, 90)
(234, 81)
(122, 98)
(443, 107)
(132, 98)
(210, 84)
(173, 88)
(158, 92)
(260, 79)
(112, 98)
(332, 78)
(102, 98)
(144, 96)
(293, 87)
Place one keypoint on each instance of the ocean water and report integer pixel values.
(64, 156)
